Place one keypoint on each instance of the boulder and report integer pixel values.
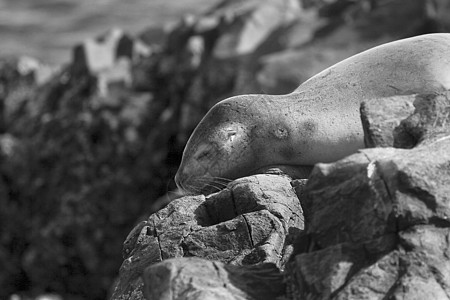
(252, 221)
(380, 120)
(429, 123)
(194, 278)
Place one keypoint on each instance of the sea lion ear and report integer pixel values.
(231, 134)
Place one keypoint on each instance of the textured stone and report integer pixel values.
(381, 116)
(375, 281)
(254, 220)
(428, 123)
(377, 222)
(194, 278)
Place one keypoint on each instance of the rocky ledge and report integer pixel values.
(374, 225)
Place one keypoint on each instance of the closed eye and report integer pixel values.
(204, 154)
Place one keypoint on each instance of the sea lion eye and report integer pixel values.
(203, 151)
(204, 154)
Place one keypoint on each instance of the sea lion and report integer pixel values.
(318, 122)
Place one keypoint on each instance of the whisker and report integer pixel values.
(182, 189)
(216, 187)
(199, 184)
(191, 190)
(211, 189)
(222, 181)
(202, 181)
(223, 178)
(218, 180)
(206, 181)
(194, 190)
(221, 185)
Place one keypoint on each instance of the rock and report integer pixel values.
(109, 58)
(378, 221)
(386, 114)
(154, 35)
(19, 78)
(282, 72)
(117, 77)
(98, 54)
(254, 220)
(41, 73)
(194, 278)
(428, 123)
(252, 24)
(9, 146)
(95, 55)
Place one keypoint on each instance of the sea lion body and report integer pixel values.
(318, 122)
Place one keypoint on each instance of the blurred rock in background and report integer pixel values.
(86, 149)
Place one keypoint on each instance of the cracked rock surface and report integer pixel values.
(167, 280)
(252, 222)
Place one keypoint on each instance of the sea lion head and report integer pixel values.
(219, 149)
(242, 136)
